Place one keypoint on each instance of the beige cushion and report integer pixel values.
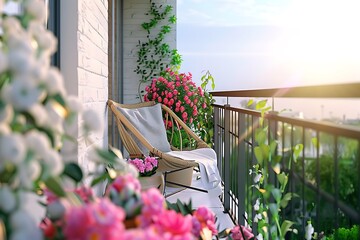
(149, 122)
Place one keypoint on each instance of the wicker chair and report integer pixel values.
(177, 172)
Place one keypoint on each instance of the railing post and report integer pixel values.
(217, 136)
(242, 170)
(227, 158)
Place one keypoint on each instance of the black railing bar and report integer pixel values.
(303, 176)
(336, 129)
(349, 211)
(317, 181)
(344, 90)
(292, 162)
(336, 181)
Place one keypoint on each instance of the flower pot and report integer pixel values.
(153, 181)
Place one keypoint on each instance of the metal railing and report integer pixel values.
(326, 176)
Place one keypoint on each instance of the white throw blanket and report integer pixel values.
(206, 157)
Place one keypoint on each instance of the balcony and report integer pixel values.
(324, 177)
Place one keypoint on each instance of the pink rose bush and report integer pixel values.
(82, 215)
(146, 167)
(178, 92)
(191, 103)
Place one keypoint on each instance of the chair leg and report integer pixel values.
(178, 184)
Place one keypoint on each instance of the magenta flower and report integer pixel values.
(206, 219)
(146, 167)
(173, 225)
(97, 220)
(237, 235)
(142, 234)
(153, 204)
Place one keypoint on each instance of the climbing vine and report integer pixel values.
(154, 54)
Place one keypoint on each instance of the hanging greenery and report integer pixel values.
(154, 54)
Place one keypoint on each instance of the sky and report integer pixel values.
(252, 44)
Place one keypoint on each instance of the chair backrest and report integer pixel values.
(141, 127)
(133, 137)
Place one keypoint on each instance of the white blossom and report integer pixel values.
(12, 148)
(22, 95)
(4, 129)
(55, 210)
(36, 8)
(257, 217)
(74, 104)
(24, 226)
(257, 205)
(39, 114)
(257, 178)
(259, 237)
(6, 113)
(54, 82)
(20, 61)
(38, 142)
(4, 63)
(54, 162)
(12, 24)
(91, 121)
(7, 199)
(45, 39)
(309, 230)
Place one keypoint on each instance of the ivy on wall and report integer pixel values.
(154, 54)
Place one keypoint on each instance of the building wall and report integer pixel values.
(84, 64)
(134, 16)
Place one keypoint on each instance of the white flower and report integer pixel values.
(4, 64)
(12, 148)
(21, 220)
(39, 114)
(257, 178)
(55, 210)
(20, 61)
(250, 171)
(36, 8)
(45, 39)
(38, 142)
(74, 104)
(4, 129)
(259, 237)
(56, 114)
(91, 121)
(54, 82)
(54, 163)
(6, 113)
(309, 230)
(24, 226)
(22, 95)
(257, 205)
(11, 24)
(7, 199)
(257, 217)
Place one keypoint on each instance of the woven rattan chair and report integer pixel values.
(174, 168)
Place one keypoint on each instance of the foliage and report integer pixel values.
(271, 198)
(154, 54)
(189, 102)
(345, 234)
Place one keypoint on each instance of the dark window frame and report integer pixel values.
(53, 24)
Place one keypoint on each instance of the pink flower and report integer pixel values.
(126, 185)
(195, 100)
(176, 92)
(153, 204)
(166, 100)
(171, 102)
(186, 98)
(173, 225)
(159, 99)
(142, 234)
(204, 105)
(237, 235)
(206, 218)
(170, 95)
(85, 193)
(98, 220)
(184, 115)
(178, 84)
(182, 109)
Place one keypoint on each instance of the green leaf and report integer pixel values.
(250, 102)
(54, 185)
(276, 194)
(261, 104)
(283, 179)
(259, 155)
(73, 171)
(285, 200)
(265, 151)
(285, 227)
(297, 150)
(100, 179)
(274, 209)
(260, 135)
(315, 142)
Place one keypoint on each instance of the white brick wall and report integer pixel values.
(84, 64)
(134, 16)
